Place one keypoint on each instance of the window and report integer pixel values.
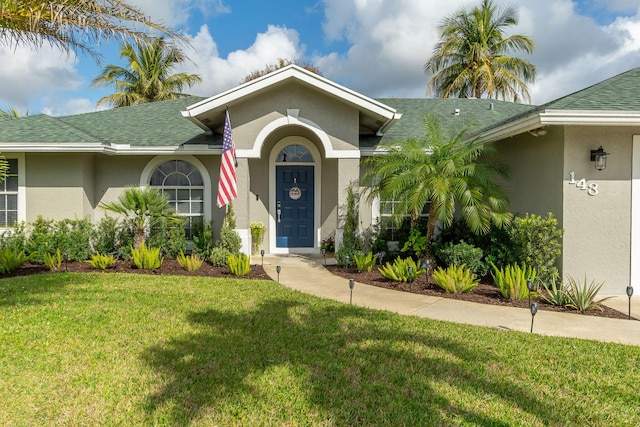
(183, 185)
(9, 196)
(388, 225)
(295, 153)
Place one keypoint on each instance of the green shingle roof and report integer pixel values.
(477, 112)
(144, 125)
(161, 124)
(618, 93)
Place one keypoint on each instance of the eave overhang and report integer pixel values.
(108, 149)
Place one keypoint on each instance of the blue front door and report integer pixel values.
(294, 206)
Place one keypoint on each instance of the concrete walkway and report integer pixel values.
(307, 274)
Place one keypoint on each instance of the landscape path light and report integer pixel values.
(426, 264)
(262, 255)
(530, 287)
(352, 284)
(66, 260)
(347, 261)
(324, 256)
(534, 309)
(278, 269)
(629, 294)
(410, 279)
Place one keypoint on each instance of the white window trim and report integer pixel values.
(22, 187)
(154, 163)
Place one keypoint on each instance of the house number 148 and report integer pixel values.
(591, 188)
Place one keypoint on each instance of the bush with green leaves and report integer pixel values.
(536, 242)
(146, 258)
(15, 237)
(239, 264)
(169, 236)
(416, 244)
(343, 252)
(202, 238)
(11, 259)
(401, 270)
(105, 237)
(582, 296)
(70, 236)
(351, 220)
(512, 280)
(219, 256)
(455, 279)
(191, 262)
(364, 262)
(53, 261)
(463, 253)
(102, 261)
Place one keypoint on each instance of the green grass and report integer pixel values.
(117, 349)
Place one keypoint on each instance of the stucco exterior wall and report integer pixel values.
(534, 185)
(56, 186)
(597, 227)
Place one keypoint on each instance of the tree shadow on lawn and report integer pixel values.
(345, 366)
(26, 289)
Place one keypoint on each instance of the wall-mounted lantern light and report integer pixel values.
(599, 158)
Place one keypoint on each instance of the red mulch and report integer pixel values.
(484, 293)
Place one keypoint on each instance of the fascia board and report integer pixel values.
(118, 149)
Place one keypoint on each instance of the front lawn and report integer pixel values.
(120, 349)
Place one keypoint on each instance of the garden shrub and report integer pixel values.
(455, 279)
(191, 262)
(202, 238)
(536, 243)
(41, 239)
(364, 262)
(71, 236)
(102, 261)
(169, 236)
(53, 261)
(11, 259)
(343, 252)
(512, 280)
(554, 292)
(106, 235)
(239, 264)
(146, 258)
(15, 238)
(219, 256)
(416, 244)
(350, 237)
(463, 253)
(399, 270)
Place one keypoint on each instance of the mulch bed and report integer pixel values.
(169, 267)
(484, 293)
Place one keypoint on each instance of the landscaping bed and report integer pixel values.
(484, 293)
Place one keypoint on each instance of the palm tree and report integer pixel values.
(8, 113)
(143, 207)
(445, 170)
(148, 77)
(74, 24)
(280, 64)
(471, 58)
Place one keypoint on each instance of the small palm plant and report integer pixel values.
(191, 262)
(143, 207)
(512, 280)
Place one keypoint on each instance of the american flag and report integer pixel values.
(227, 187)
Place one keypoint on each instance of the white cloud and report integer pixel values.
(176, 13)
(391, 42)
(70, 107)
(28, 75)
(219, 74)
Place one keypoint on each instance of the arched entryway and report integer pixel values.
(295, 170)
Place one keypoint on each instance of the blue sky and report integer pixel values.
(376, 47)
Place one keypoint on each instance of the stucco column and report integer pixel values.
(348, 173)
(241, 205)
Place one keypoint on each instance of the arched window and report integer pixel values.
(183, 184)
(294, 153)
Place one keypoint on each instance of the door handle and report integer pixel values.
(279, 212)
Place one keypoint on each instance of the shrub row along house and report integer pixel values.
(300, 140)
